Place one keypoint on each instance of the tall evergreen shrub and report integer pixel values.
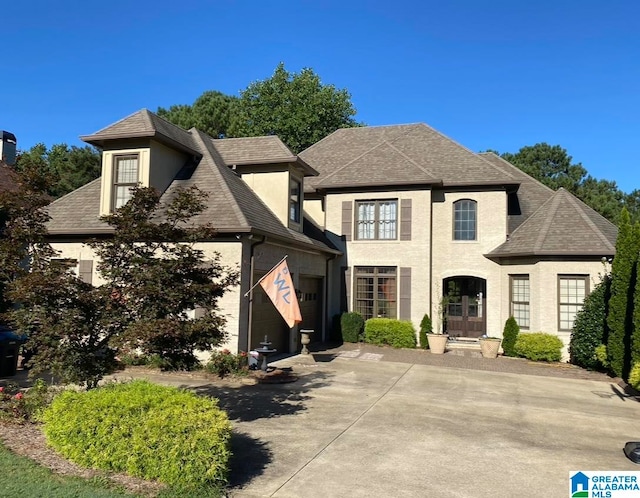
(425, 328)
(509, 336)
(635, 332)
(590, 327)
(623, 282)
(352, 326)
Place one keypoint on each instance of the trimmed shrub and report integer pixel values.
(145, 430)
(601, 356)
(387, 331)
(590, 327)
(509, 336)
(351, 326)
(225, 362)
(634, 376)
(425, 328)
(539, 346)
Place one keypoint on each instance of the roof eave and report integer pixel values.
(306, 169)
(523, 254)
(99, 140)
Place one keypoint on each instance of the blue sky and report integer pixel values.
(489, 74)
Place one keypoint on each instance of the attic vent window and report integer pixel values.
(125, 177)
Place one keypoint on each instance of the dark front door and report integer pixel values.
(464, 306)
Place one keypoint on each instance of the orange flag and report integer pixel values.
(279, 287)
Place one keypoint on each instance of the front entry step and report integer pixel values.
(463, 343)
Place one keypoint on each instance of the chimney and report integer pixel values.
(8, 148)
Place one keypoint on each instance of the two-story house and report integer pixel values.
(394, 221)
(255, 188)
(427, 226)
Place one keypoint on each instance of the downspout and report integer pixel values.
(431, 255)
(251, 273)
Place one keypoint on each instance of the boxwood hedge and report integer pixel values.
(396, 333)
(539, 346)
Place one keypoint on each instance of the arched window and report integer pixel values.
(464, 219)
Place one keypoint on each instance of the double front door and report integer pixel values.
(464, 302)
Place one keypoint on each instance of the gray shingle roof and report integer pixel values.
(400, 154)
(143, 124)
(562, 226)
(232, 206)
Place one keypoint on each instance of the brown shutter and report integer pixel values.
(347, 219)
(85, 270)
(347, 287)
(405, 219)
(405, 293)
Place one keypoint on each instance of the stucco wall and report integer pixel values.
(164, 165)
(273, 188)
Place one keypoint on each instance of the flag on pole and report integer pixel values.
(279, 287)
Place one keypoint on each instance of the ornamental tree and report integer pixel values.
(152, 274)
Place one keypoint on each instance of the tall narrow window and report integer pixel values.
(572, 289)
(377, 220)
(294, 200)
(464, 220)
(520, 300)
(125, 178)
(375, 293)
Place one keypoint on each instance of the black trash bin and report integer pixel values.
(10, 344)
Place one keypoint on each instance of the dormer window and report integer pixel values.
(294, 200)
(125, 177)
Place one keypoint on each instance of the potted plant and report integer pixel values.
(437, 342)
(489, 346)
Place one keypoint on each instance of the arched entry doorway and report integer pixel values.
(464, 300)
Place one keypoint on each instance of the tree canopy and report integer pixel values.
(153, 280)
(67, 168)
(554, 167)
(297, 107)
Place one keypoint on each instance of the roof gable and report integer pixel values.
(143, 124)
(564, 225)
(411, 154)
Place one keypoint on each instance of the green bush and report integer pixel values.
(145, 430)
(20, 405)
(426, 327)
(225, 362)
(509, 336)
(601, 356)
(396, 333)
(634, 376)
(539, 346)
(590, 327)
(351, 326)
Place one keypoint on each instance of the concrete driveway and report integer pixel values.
(352, 426)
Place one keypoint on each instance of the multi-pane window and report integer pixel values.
(294, 200)
(376, 220)
(572, 289)
(520, 307)
(464, 220)
(375, 291)
(125, 177)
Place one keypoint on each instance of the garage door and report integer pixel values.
(266, 320)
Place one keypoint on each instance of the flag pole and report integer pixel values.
(265, 275)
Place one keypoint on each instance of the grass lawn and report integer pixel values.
(22, 477)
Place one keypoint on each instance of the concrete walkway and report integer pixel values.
(355, 424)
